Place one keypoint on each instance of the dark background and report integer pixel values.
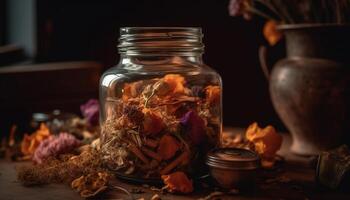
(88, 30)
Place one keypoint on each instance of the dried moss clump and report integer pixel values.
(62, 169)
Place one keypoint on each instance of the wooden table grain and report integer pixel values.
(295, 180)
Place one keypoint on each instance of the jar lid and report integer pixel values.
(233, 158)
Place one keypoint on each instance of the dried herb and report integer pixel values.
(150, 131)
(62, 169)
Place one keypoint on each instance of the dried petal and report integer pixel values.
(178, 182)
(266, 141)
(175, 82)
(152, 123)
(194, 126)
(271, 34)
(31, 142)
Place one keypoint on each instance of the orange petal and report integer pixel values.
(266, 142)
(271, 34)
(31, 142)
(178, 182)
(175, 82)
(152, 123)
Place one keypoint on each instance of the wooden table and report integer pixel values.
(293, 180)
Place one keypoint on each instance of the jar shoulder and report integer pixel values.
(122, 71)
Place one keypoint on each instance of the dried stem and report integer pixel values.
(302, 11)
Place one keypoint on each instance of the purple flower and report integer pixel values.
(90, 111)
(55, 145)
(194, 126)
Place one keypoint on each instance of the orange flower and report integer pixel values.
(168, 146)
(152, 123)
(31, 142)
(271, 34)
(212, 94)
(178, 182)
(266, 141)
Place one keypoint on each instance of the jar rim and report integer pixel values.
(160, 40)
(157, 28)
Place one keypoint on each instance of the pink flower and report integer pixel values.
(90, 111)
(55, 145)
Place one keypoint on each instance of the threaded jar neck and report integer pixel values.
(182, 41)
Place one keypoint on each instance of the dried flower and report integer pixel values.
(194, 126)
(240, 7)
(90, 111)
(31, 142)
(90, 185)
(178, 182)
(55, 145)
(175, 82)
(266, 141)
(293, 12)
(271, 34)
(143, 136)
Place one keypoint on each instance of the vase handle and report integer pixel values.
(263, 61)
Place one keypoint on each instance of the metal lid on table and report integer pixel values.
(233, 158)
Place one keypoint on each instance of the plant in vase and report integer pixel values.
(310, 88)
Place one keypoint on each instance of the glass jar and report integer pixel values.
(161, 106)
